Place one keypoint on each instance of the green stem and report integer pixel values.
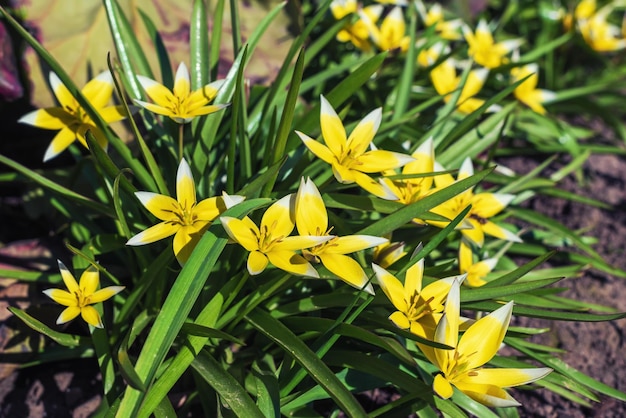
(180, 140)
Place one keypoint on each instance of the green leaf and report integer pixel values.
(301, 353)
(231, 392)
(66, 340)
(202, 331)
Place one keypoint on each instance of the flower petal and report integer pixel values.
(442, 387)
(182, 85)
(495, 230)
(379, 160)
(185, 186)
(243, 231)
(63, 95)
(300, 242)
(257, 262)
(487, 205)
(68, 314)
(311, 215)
(68, 278)
(91, 316)
(352, 243)
(159, 94)
(53, 118)
(400, 320)
(372, 186)
(278, 218)
(333, 132)
(347, 270)
(186, 240)
(291, 262)
(154, 233)
(209, 209)
(61, 297)
(506, 378)
(112, 113)
(99, 90)
(413, 279)
(321, 151)
(60, 143)
(484, 337)
(105, 293)
(392, 287)
(89, 281)
(163, 207)
(363, 134)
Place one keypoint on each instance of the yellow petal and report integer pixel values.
(61, 297)
(154, 233)
(163, 207)
(292, 263)
(311, 215)
(105, 293)
(112, 113)
(333, 132)
(186, 240)
(68, 278)
(353, 243)
(413, 279)
(243, 231)
(278, 218)
(486, 205)
(155, 108)
(91, 316)
(209, 209)
(347, 270)
(182, 86)
(59, 143)
(61, 92)
(379, 160)
(321, 151)
(506, 378)
(53, 118)
(400, 320)
(344, 174)
(490, 395)
(370, 185)
(363, 134)
(438, 290)
(185, 187)
(300, 242)
(497, 231)
(392, 287)
(484, 337)
(99, 90)
(475, 235)
(89, 280)
(257, 262)
(442, 387)
(159, 94)
(68, 314)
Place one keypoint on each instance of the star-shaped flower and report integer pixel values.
(434, 16)
(355, 32)
(462, 367)
(270, 242)
(484, 50)
(410, 190)
(418, 310)
(391, 35)
(349, 157)
(446, 81)
(181, 104)
(70, 119)
(312, 220)
(80, 296)
(183, 217)
(527, 92)
(484, 206)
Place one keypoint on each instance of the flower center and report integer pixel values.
(82, 299)
(266, 240)
(418, 307)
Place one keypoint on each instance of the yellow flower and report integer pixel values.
(183, 217)
(181, 104)
(428, 56)
(271, 243)
(348, 157)
(483, 49)
(388, 252)
(462, 366)
(357, 33)
(446, 81)
(476, 272)
(447, 29)
(599, 33)
(80, 296)
(484, 206)
(411, 190)
(70, 119)
(527, 92)
(418, 310)
(312, 220)
(391, 34)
